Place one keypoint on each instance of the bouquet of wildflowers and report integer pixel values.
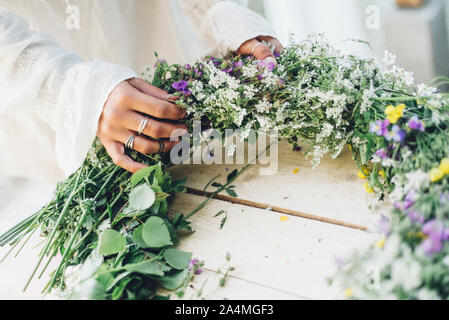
(115, 229)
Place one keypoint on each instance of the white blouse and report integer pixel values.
(59, 60)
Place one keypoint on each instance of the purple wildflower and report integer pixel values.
(188, 67)
(415, 124)
(436, 234)
(380, 127)
(338, 262)
(261, 64)
(238, 64)
(384, 225)
(198, 73)
(271, 66)
(416, 217)
(381, 153)
(396, 134)
(432, 245)
(434, 227)
(193, 264)
(260, 77)
(229, 70)
(182, 86)
(444, 198)
(277, 54)
(159, 61)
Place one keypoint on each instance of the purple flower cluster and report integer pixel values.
(436, 234)
(415, 124)
(396, 134)
(381, 153)
(269, 65)
(182, 86)
(384, 225)
(409, 201)
(194, 263)
(380, 127)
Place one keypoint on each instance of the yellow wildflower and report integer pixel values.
(381, 243)
(421, 235)
(349, 293)
(350, 147)
(367, 187)
(363, 173)
(382, 174)
(436, 175)
(444, 166)
(295, 171)
(394, 113)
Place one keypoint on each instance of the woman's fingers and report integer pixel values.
(147, 146)
(273, 41)
(143, 144)
(116, 151)
(155, 129)
(148, 89)
(256, 48)
(127, 97)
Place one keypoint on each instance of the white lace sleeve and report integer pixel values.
(224, 24)
(37, 75)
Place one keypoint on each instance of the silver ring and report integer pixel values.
(143, 125)
(256, 45)
(161, 146)
(130, 143)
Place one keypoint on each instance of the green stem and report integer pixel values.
(58, 222)
(203, 204)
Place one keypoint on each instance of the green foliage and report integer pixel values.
(177, 259)
(155, 233)
(111, 242)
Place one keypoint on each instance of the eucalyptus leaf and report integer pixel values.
(177, 259)
(155, 233)
(141, 197)
(111, 242)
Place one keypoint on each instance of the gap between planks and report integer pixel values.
(277, 209)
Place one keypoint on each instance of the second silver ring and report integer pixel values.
(143, 125)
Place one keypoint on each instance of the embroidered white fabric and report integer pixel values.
(53, 88)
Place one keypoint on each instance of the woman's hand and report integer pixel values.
(123, 114)
(259, 50)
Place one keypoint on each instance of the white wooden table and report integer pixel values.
(275, 255)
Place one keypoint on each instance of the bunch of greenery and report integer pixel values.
(115, 228)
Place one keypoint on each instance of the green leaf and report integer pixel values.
(231, 192)
(232, 175)
(111, 242)
(217, 185)
(142, 197)
(223, 221)
(177, 259)
(137, 177)
(174, 281)
(137, 238)
(146, 267)
(155, 233)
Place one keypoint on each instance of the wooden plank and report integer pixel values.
(294, 255)
(332, 190)
(206, 286)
